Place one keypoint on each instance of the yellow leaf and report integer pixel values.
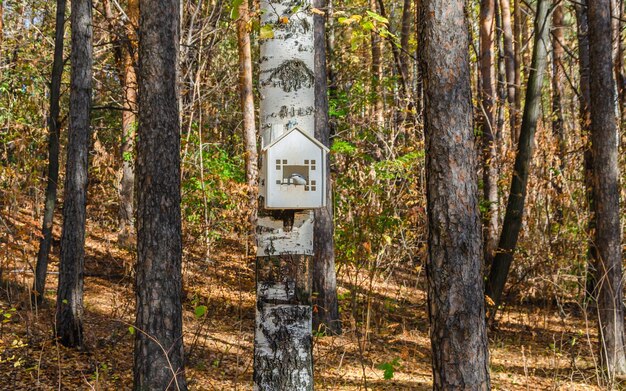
(284, 20)
(489, 301)
(317, 11)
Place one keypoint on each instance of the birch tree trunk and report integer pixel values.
(326, 317)
(283, 339)
(604, 149)
(41, 269)
(517, 195)
(69, 310)
(159, 360)
(455, 263)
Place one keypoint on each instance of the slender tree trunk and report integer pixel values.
(620, 79)
(159, 356)
(2, 26)
(454, 267)
(515, 207)
(377, 75)
(604, 149)
(41, 269)
(326, 316)
(247, 107)
(517, 40)
(585, 131)
(283, 339)
(405, 34)
(509, 62)
(69, 311)
(558, 94)
(129, 125)
(488, 128)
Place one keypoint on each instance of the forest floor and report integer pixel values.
(533, 346)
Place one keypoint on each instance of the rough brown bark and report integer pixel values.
(405, 34)
(585, 131)
(129, 125)
(377, 75)
(126, 57)
(41, 269)
(1, 24)
(517, 40)
(326, 313)
(509, 61)
(604, 149)
(454, 268)
(488, 128)
(158, 340)
(512, 223)
(558, 94)
(69, 310)
(247, 107)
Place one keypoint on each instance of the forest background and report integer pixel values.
(543, 336)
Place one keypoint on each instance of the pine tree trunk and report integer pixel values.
(326, 314)
(41, 269)
(558, 93)
(69, 311)
(509, 62)
(518, 43)
(517, 196)
(247, 107)
(283, 339)
(604, 149)
(455, 263)
(488, 128)
(585, 130)
(129, 124)
(377, 75)
(158, 339)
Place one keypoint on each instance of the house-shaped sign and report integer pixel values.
(293, 173)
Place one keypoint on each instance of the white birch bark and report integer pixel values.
(283, 342)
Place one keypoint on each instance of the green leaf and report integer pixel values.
(367, 25)
(389, 368)
(266, 32)
(234, 10)
(200, 311)
(377, 17)
(131, 330)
